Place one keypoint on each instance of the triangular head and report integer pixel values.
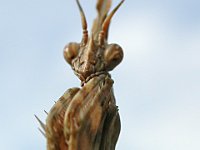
(93, 55)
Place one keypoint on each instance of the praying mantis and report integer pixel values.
(87, 118)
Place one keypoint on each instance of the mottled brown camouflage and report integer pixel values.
(87, 118)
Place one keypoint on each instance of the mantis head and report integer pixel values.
(93, 54)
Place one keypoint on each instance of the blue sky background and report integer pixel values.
(157, 86)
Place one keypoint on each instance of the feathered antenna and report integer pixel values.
(106, 24)
(84, 23)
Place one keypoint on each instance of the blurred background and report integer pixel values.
(157, 86)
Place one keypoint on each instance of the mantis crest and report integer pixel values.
(87, 118)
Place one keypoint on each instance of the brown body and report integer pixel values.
(87, 118)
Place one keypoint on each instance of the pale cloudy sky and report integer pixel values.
(156, 86)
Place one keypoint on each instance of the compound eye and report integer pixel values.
(71, 51)
(113, 55)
